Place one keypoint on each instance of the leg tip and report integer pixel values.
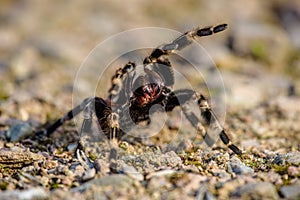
(235, 149)
(220, 28)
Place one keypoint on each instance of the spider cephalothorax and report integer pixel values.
(136, 88)
(146, 94)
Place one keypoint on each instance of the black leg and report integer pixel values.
(117, 81)
(182, 42)
(86, 126)
(164, 68)
(70, 115)
(181, 97)
(210, 118)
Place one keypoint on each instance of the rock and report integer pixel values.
(16, 157)
(72, 147)
(166, 172)
(236, 166)
(220, 173)
(257, 190)
(50, 164)
(78, 171)
(33, 193)
(153, 161)
(177, 184)
(170, 159)
(19, 131)
(132, 172)
(101, 166)
(115, 180)
(158, 182)
(292, 158)
(120, 166)
(293, 171)
(290, 191)
(88, 174)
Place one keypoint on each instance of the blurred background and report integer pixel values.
(43, 44)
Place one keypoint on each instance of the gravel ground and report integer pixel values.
(43, 44)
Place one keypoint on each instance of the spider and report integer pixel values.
(133, 94)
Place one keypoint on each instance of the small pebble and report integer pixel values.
(101, 166)
(166, 172)
(19, 131)
(292, 158)
(79, 171)
(88, 174)
(257, 190)
(238, 167)
(72, 147)
(132, 172)
(220, 173)
(293, 171)
(50, 164)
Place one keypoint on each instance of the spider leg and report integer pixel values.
(210, 117)
(182, 41)
(164, 68)
(107, 119)
(114, 126)
(86, 126)
(181, 97)
(70, 115)
(117, 82)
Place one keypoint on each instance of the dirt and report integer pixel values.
(251, 80)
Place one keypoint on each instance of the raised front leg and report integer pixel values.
(182, 42)
(117, 81)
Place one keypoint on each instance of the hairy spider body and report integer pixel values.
(136, 89)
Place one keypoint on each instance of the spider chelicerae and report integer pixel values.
(133, 95)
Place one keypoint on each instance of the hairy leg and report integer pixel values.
(70, 115)
(117, 80)
(208, 117)
(182, 42)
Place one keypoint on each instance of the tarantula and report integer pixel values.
(133, 94)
